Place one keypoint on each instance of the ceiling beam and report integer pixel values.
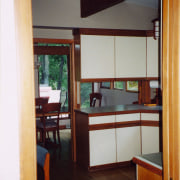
(89, 7)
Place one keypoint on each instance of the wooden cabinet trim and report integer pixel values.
(101, 126)
(97, 80)
(127, 124)
(150, 123)
(109, 166)
(123, 125)
(110, 32)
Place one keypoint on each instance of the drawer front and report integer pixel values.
(150, 116)
(128, 117)
(101, 119)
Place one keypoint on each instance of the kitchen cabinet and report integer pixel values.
(152, 57)
(102, 142)
(108, 55)
(150, 133)
(128, 138)
(128, 143)
(102, 147)
(107, 137)
(97, 57)
(130, 57)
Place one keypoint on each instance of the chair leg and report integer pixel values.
(54, 136)
(44, 137)
(58, 134)
(48, 135)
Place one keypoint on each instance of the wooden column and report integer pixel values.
(171, 89)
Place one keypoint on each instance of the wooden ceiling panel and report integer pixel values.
(89, 7)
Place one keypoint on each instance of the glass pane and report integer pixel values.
(53, 78)
(51, 44)
(132, 86)
(105, 84)
(86, 89)
(119, 85)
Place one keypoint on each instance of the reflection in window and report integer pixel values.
(119, 85)
(132, 86)
(105, 85)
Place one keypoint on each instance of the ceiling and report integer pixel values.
(147, 3)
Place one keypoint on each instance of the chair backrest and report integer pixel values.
(94, 97)
(51, 110)
(40, 101)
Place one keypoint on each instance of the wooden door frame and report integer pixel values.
(71, 78)
(171, 89)
(171, 94)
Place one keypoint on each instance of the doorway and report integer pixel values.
(52, 61)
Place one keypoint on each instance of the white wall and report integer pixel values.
(66, 13)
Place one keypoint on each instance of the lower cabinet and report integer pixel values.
(150, 139)
(110, 140)
(150, 133)
(128, 143)
(102, 147)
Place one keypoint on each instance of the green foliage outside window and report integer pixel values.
(132, 86)
(53, 71)
(119, 85)
(86, 89)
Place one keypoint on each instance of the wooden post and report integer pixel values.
(171, 89)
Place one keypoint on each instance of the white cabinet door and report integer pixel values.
(102, 147)
(130, 57)
(150, 134)
(97, 56)
(128, 138)
(150, 139)
(152, 57)
(128, 143)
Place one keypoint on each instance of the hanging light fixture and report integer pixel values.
(156, 28)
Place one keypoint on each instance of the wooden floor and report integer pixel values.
(62, 167)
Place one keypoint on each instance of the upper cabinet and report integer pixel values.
(152, 57)
(97, 56)
(115, 54)
(130, 57)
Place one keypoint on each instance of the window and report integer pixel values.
(119, 85)
(86, 89)
(53, 72)
(132, 86)
(105, 85)
(53, 78)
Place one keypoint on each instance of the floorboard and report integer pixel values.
(62, 167)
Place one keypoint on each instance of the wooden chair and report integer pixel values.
(50, 121)
(43, 160)
(94, 97)
(39, 102)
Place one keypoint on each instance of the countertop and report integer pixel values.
(119, 109)
(154, 159)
